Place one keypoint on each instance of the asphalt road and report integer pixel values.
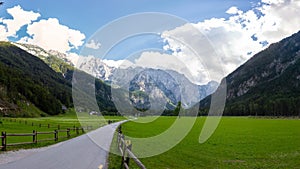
(82, 152)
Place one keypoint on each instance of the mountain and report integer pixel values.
(41, 84)
(159, 90)
(65, 64)
(27, 81)
(56, 60)
(266, 85)
(97, 68)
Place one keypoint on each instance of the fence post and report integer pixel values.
(55, 135)
(40, 125)
(82, 129)
(3, 134)
(120, 129)
(68, 132)
(34, 136)
(58, 127)
(123, 146)
(48, 125)
(118, 139)
(77, 130)
(129, 147)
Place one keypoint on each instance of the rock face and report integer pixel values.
(168, 87)
(95, 67)
(266, 66)
(155, 85)
(268, 83)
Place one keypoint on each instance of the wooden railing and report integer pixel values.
(40, 125)
(35, 134)
(125, 147)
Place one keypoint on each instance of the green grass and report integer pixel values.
(68, 120)
(238, 142)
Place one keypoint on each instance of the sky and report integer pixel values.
(235, 30)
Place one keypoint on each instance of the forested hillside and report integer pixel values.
(25, 77)
(266, 85)
(27, 80)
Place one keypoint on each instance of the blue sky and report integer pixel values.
(90, 15)
(236, 30)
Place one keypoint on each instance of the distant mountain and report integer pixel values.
(266, 85)
(164, 80)
(160, 89)
(95, 67)
(63, 63)
(28, 84)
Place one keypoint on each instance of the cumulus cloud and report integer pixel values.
(93, 45)
(118, 63)
(273, 1)
(3, 36)
(237, 38)
(46, 33)
(191, 47)
(20, 18)
(50, 34)
(233, 10)
(184, 65)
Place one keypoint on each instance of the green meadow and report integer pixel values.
(238, 142)
(62, 122)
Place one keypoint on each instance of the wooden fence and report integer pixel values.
(35, 134)
(125, 147)
(40, 125)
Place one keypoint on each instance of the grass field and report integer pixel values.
(68, 120)
(238, 142)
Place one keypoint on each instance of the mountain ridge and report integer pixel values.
(97, 68)
(267, 84)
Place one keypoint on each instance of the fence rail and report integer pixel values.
(40, 125)
(125, 147)
(35, 134)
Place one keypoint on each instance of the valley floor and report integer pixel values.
(238, 142)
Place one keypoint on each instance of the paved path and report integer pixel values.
(82, 152)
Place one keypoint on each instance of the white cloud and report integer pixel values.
(163, 61)
(93, 45)
(157, 60)
(239, 37)
(51, 35)
(234, 10)
(272, 1)
(73, 57)
(20, 18)
(46, 33)
(118, 63)
(3, 36)
(191, 48)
